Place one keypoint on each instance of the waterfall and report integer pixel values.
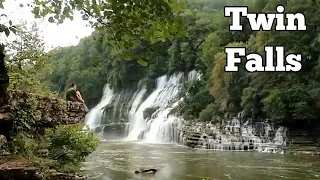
(93, 118)
(132, 113)
(139, 114)
(162, 99)
(160, 126)
(232, 135)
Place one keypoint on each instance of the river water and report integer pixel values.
(117, 160)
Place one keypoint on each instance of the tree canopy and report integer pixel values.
(131, 24)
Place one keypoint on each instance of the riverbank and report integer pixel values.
(22, 168)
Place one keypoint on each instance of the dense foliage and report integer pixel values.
(39, 138)
(69, 145)
(62, 148)
(284, 98)
(25, 60)
(132, 24)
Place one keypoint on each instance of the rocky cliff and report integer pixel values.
(25, 109)
(32, 113)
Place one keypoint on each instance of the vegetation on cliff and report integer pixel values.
(35, 126)
(42, 132)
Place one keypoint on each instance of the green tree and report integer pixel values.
(26, 60)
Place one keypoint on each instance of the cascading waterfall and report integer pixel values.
(233, 135)
(161, 127)
(93, 118)
(135, 104)
(124, 113)
(161, 98)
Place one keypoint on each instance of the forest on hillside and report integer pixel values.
(284, 98)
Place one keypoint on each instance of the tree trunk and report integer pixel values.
(5, 116)
(4, 79)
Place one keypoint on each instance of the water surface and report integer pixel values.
(117, 160)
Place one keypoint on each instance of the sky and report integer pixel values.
(66, 34)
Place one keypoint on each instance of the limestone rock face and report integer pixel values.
(46, 112)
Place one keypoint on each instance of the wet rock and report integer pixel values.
(146, 171)
(62, 176)
(3, 141)
(141, 135)
(20, 173)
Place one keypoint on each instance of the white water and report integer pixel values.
(234, 136)
(132, 113)
(161, 98)
(162, 127)
(93, 118)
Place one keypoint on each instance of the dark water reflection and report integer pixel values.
(117, 160)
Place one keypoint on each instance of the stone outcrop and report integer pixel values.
(20, 173)
(113, 130)
(260, 136)
(51, 111)
(232, 135)
(44, 111)
(306, 141)
(30, 111)
(40, 112)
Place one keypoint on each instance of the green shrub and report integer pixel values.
(196, 97)
(187, 116)
(174, 111)
(68, 145)
(24, 145)
(207, 113)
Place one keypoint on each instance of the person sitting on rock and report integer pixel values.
(71, 94)
(80, 99)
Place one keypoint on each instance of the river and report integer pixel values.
(117, 160)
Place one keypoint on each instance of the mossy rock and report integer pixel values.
(147, 113)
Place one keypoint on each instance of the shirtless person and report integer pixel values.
(80, 99)
(71, 94)
(74, 95)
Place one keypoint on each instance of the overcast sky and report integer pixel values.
(66, 34)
